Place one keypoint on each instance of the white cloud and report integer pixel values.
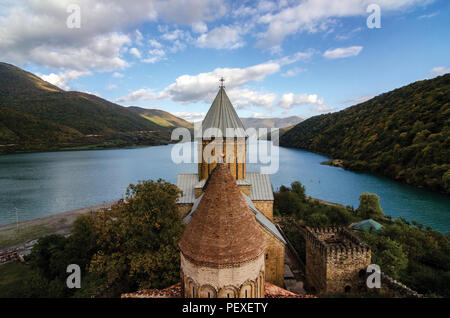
(243, 98)
(203, 87)
(62, 79)
(223, 37)
(317, 15)
(155, 44)
(134, 51)
(199, 27)
(343, 52)
(428, 16)
(139, 95)
(154, 56)
(261, 115)
(111, 87)
(360, 99)
(293, 72)
(192, 117)
(35, 31)
(439, 70)
(117, 75)
(323, 109)
(139, 37)
(289, 100)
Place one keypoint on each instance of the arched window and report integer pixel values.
(207, 291)
(228, 292)
(347, 289)
(248, 290)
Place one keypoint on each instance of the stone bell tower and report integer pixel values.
(222, 131)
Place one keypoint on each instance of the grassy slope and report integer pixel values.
(36, 115)
(403, 134)
(161, 117)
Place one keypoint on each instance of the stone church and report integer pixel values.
(230, 246)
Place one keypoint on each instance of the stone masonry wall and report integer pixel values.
(274, 258)
(265, 207)
(184, 208)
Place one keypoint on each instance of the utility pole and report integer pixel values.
(17, 219)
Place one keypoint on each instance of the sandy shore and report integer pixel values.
(61, 223)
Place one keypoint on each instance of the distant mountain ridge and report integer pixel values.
(37, 115)
(403, 134)
(271, 122)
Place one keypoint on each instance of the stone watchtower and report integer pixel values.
(222, 248)
(336, 261)
(222, 120)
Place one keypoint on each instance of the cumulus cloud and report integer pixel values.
(439, 70)
(293, 72)
(314, 16)
(97, 46)
(199, 27)
(154, 56)
(62, 79)
(117, 75)
(223, 37)
(289, 100)
(134, 51)
(343, 52)
(323, 109)
(139, 95)
(203, 86)
(360, 99)
(243, 98)
(192, 117)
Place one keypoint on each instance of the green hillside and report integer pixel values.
(36, 115)
(403, 134)
(161, 118)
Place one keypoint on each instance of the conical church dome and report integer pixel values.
(222, 115)
(223, 231)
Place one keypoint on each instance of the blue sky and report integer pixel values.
(279, 58)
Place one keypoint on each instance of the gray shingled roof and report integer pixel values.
(186, 184)
(260, 218)
(261, 187)
(222, 115)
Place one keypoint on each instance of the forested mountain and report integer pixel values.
(403, 134)
(36, 115)
(271, 122)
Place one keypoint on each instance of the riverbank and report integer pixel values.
(14, 236)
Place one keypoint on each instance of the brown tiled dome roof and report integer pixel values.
(223, 231)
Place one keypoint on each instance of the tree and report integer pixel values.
(138, 239)
(369, 205)
(299, 189)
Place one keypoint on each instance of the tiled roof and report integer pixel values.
(222, 115)
(261, 218)
(223, 230)
(261, 186)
